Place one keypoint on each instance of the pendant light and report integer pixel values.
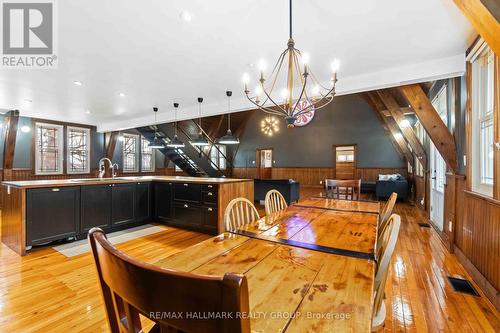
(175, 143)
(200, 141)
(229, 138)
(157, 142)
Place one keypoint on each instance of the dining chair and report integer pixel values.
(274, 202)
(131, 287)
(349, 189)
(387, 212)
(389, 239)
(239, 211)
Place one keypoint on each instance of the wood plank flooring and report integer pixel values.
(47, 292)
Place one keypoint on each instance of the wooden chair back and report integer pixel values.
(389, 238)
(239, 211)
(387, 212)
(349, 189)
(131, 287)
(274, 202)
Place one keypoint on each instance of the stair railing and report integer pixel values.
(213, 144)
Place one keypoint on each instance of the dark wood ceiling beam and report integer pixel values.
(433, 124)
(377, 106)
(11, 121)
(482, 20)
(111, 140)
(214, 130)
(407, 131)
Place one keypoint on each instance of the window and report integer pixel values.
(482, 95)
(78, 150)
(419, 130)
(147, 156)
(345, 154)
(49, 149)
(130, 153)
(217, 155)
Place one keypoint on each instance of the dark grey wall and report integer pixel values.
(347, 120)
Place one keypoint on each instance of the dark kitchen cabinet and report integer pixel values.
(123, 203)
(210, 218)
(52, 214)
(187, 214)
(142, 202)
(187, 192)
(163, 201)
(96, 207)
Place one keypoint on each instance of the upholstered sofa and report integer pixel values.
(386, 185)
(289, 188)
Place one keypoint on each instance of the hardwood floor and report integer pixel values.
(47, 292)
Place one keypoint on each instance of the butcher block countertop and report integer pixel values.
(97, 181)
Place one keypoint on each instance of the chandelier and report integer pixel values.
(269, 126)
(299, 81)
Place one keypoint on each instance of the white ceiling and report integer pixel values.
(143, 49)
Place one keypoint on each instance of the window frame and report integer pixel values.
(216, 157)
(88, 150)
(137, 153)
(476, 118)
(153, 156)
(61, 150)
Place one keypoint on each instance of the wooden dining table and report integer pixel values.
(308, 269)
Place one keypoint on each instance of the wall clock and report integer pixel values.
(304, 118)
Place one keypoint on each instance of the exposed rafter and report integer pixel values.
(10, 126)
(432, 123)
(482, 20)
(407, 131)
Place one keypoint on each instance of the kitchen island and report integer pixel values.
(42, 211)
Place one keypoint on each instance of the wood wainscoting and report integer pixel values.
(312, 176)
(477, 240)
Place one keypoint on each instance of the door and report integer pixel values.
(163, 201)
(345, 161)
(438, 166)
(123, 203)
(96, 207)
(143, 201)
(264, 158)
(52, 214)
(438, 179)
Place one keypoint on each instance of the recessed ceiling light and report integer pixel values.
(77, 83)
(122, 95)
(186, 16)
(87, 111)
(28, 100)
(25, 129)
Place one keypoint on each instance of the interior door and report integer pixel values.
(264, 163)
(345, 162)
(438, 179)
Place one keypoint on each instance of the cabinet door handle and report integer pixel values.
(186, 185)
(210, 194)
(210, 209)
(55, 190)
(186, 206)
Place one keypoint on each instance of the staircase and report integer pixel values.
(176, 155)
(192, 160)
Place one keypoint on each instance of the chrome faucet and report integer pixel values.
(113, 171)
(102, 166)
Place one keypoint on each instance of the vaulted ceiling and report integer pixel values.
(145, 50)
